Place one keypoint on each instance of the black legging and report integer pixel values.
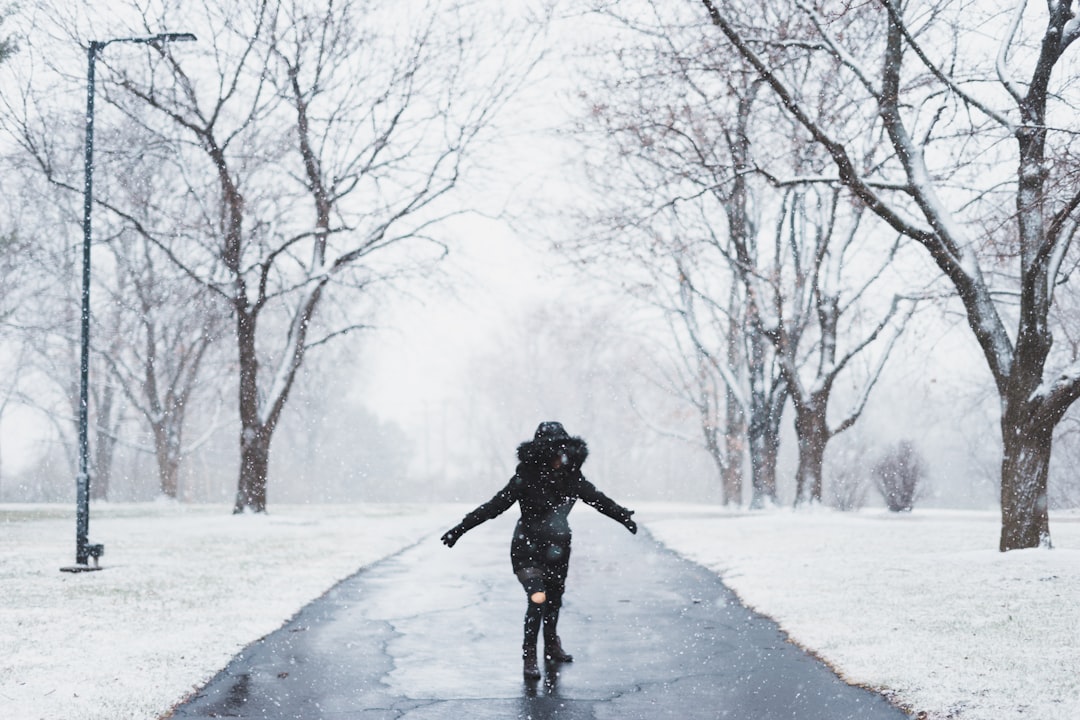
(541, 564)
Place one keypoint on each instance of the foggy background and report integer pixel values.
(458, 367)
(432, 404)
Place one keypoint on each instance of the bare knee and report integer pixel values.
(532, 580)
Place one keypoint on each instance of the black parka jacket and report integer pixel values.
(546, 484)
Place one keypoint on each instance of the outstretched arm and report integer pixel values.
(588, 492)
(491, 509)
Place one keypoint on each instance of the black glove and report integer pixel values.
(452, 535)
(629, 524)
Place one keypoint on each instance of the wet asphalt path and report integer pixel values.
(434, 634)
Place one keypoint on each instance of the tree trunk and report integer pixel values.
(169, 474)
(734, 414)
(712, 445)
(254, 437)
(813, 436)
(254, 464)
(104, 447)
(734, 450)
(763, 427)
(166, 450)
(1025, 466)
(764, 439)
(772, 453)
(759, 490)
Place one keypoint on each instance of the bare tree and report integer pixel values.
(318, 151)
(108, 416)
(170, 326)
(41, 301)
(809, 302)
(675, 195)
(150, 324)
(733, 349)
(912, 79)
(164, 326)
(734, 413)
(688, 372)
(701, 377)
(703, 153)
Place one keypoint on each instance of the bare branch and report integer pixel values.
(901, 26)
(875, 375)
(1003, 52)
(849, 174)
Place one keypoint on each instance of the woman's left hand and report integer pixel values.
(452, 535)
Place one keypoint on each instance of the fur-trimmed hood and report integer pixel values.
(550, 440)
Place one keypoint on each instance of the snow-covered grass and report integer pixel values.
(919, 605)
(184, 589)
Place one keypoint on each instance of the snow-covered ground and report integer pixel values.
(186, 587)
(919, 605)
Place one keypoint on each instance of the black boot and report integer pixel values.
(531, 668)
(553, 651)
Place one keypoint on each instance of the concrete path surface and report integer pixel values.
(435, 634)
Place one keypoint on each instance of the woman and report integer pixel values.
(546, 485)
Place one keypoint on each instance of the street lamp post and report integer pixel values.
(83, 549)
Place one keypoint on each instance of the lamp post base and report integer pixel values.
(80, 568)
(93, 552)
